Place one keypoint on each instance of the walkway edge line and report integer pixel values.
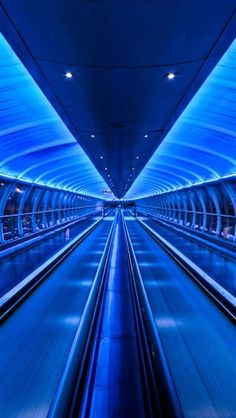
(225, 299)
(71, 378)
(17, 294)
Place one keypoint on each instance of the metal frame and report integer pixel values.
(53, 205)
(214, 202)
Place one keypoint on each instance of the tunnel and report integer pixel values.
(117, 208)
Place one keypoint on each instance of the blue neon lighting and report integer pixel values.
(35, 145)
(201, 146)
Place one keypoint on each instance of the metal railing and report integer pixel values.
(169, 402)
(219, 224)
(72, 378)
(17, 225)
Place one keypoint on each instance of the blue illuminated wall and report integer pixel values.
(35, 145)
(201, 146)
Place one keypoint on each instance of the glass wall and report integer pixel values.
(209, 208)
(27, 208)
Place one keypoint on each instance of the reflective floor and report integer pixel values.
(36, 339)
(117, 389)
(198, 339)
(218, 266)
(15, 268)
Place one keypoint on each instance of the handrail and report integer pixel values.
(15, 296)
(28, 239)
(151, 395)
(63, 398)
(202, 230)
(224, 299)
(208, 238)
(223, 215)
(168, 396)
(12, 215)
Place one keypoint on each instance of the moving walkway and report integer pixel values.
(118, 328)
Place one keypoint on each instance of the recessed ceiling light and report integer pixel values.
(68, 74)
(109, 175)
(137, 158)
(146, 136)
(133, 168)
(170, 76)
(101, 157)
(106, 168)
(92, 136)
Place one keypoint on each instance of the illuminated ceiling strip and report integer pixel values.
(33, 131)
(191, 162)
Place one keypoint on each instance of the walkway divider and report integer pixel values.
(225, 300)
(220, 245)
(169, 403)
(22, 243)
(73, 375)
(17, 294)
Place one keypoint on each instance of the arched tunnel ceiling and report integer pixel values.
(35, 145)
(201, 146)
(119, 53)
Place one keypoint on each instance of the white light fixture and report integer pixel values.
(101, 157)
(92, 136)
(170, 76)
(133, 168)
(106, 168)
(146, 136)
(68, 74)
(137, 158)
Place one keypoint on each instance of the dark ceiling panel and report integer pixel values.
(132, 100)
(119, 53)
(103, 33)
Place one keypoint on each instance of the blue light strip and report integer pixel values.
(35, 145)
(201, 146)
